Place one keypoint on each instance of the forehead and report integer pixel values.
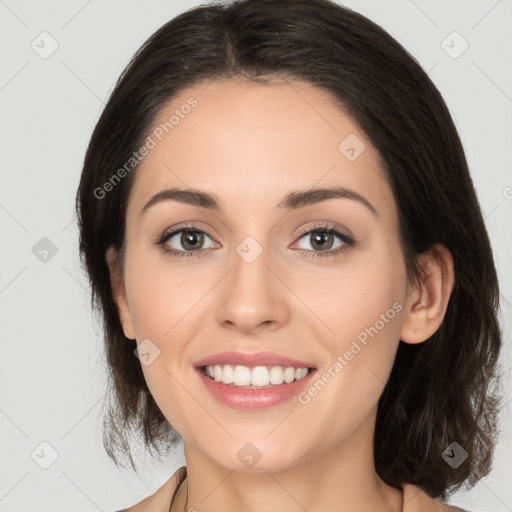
(244, 140)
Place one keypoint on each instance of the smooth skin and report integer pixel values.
(250, 144)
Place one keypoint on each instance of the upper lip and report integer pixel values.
(251, 360)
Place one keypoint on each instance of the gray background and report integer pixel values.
(51, 365)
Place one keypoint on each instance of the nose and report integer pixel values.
(253, 296)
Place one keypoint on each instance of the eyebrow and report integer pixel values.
(292, 201)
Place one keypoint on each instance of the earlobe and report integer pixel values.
(119, 292)
(427, 300)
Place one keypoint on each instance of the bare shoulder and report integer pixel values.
(160, 500)
(145, 504)
(416, 500)
(153, 503)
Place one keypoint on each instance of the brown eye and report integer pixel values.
(322, 240)
(184, 242)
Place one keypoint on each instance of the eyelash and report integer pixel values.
(348, 242)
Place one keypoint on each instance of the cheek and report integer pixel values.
(360, 359)
(360, 308)
(163, 312)
(161, 295)
(345, 301)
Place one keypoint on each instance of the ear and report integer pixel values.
(113, 259)
(427, 299)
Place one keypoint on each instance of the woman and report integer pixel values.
(282, 235)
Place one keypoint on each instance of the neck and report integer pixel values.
(342, 479)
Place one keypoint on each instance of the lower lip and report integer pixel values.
(240, 398)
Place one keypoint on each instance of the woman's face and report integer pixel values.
(266, 276)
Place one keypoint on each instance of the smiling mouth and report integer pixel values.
(257, 377)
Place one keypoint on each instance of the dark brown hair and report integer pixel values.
(441, 391)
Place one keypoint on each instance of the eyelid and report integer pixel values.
(325, 224)
(319, 224)
(184, 227)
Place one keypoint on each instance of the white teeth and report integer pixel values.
(259, 376)
(227, 375)
(276, 375)
(242, 376)
(289, 375)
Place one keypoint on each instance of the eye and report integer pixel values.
(323, 243)
(189, 238)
